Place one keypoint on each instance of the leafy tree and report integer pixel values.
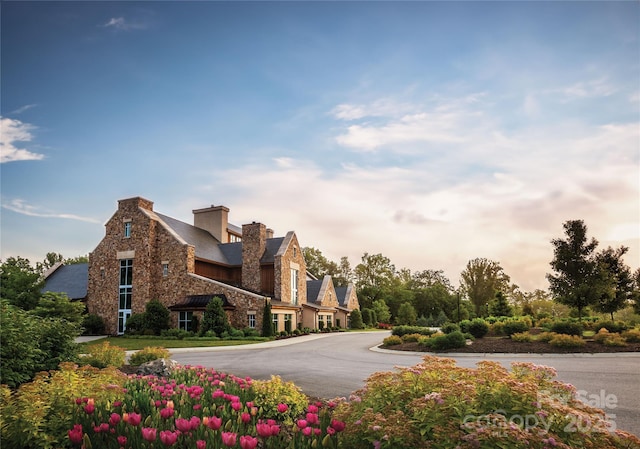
(58, 305)
(344, 276)
(430, 278)
(367, 317)
(480, 281)
(500, 306)
(267, 320)
(433, 299)
(374, 277)
(215, 318)
(382, 311)
(406, 314)
(49, 261)
(356, 319)
(620, 280)
(156, 317)
(20, 283)
(577, 281)
(317, 264)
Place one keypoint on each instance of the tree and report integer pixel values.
(374, 277)
(500, 306)
(431, 300)
(345, 274)
(618, 275)
(49, 261)
(267, 320)
(58, 305)
(577, 280)
(480, 281)
(215, 318)
(636, 290)
(317, 264)
(406, 314)
(20, 283)
(156, 317)
(430, 278)
(381, 310)
(356, 319)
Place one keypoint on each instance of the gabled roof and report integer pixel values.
(200, 302)
(70, 279)
(341, 293)
(313, 290)
(233, 251)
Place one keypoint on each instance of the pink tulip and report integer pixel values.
(282, 408)
(245, 417)
(312, 418)
(201, 444)
(183, 425)
(194, 422)
(229, 439)
(237, 406)
(166, 413)
(307, 431)
(312, 409)
(76, 434)
(122, 440)
(149, 433)
(248, 442)
(134, 419)
(168, 437)
(301, 423)
(114, 419)
(89, 408)
(212, 422)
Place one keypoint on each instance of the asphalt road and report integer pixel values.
(334, 365)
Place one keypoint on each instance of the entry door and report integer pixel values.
(123, 315)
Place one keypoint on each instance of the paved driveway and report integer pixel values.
(334, 365)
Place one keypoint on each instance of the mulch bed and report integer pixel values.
(496, 345)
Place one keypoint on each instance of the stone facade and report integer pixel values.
(162, 254)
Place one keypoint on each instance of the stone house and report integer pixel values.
(146, 255)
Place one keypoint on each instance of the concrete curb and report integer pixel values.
(603, 355)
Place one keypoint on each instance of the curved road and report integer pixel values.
(334, 365)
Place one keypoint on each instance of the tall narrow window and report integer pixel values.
(252, 320)
(275, 322)
(126, 291)
(185, 320)
(294, 286)
(127, 229)
(165, 269)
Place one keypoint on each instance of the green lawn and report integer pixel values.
(140, 343)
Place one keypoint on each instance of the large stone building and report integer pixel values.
(146, 255)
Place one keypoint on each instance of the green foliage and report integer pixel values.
(392, 340)
(511, 327)
(57, 342)
(450, 327)
(179, 334)
(404, 330)
(522, 337)
(480, 280)
(156, 317)
(149, 354)
(356, 319)
(406, 314)
(567, 328)
(500, 306)
(367, 317)
(267, 320)
(611, 326)
(58, 305)
(382, 313)
(411, 338)
(567, 341)
(632, 336)
(453, 340)
(270, 393)
(215, 318)
(93, 324)
(103, 355)
(136, 324)
(20, 283)
(476, 327)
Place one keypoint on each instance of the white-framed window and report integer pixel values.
(185, 320)
(127, 229)
(252, 320)
(165, 269)
(275, 322)
(329, 321)
(294, 286)
(125, 294)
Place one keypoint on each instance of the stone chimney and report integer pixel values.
(254, 242)
(132, 203)
(269, 233)
(214, 219)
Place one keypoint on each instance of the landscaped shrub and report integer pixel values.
(269, 394)
(522, 337)
(410, 338)
(103, 355)
(215, 318)
(477, 327)
(403, 330)
(93, 324)
(632, 336)
(135, 324)
(611, 326)
(545, 336)
(567, 328)
(497, 328)
(515, 326)
(602, 335)
(615, 340)
(439, 404)
(567, 341)
(148, 354)
(178, 334)
(447, 328)
(156, 317)
(545, 323)
(356, 319)
(392, 340)
(448, 341)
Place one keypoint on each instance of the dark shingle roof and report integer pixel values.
(313, 290)
(341, 294)
(200, 302)
(70, 279)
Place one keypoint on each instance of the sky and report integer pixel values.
(430, 132)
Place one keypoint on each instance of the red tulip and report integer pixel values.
(201, 444)
(75, 434)
(134, 419)
(282, 408)
(338, 425)
(122, 440)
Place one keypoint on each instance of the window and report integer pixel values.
(165, 269)
(275, 322)
(329, 321)
(288, 322)
(294, 286)
(252, 320)
(233, 238)
(185, 320)
(125, 293)
(127, 229)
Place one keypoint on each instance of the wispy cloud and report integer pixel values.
(22, 207)
(24, 108)
(11, 132)
(122, 24)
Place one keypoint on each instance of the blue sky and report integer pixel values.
(430, 132)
